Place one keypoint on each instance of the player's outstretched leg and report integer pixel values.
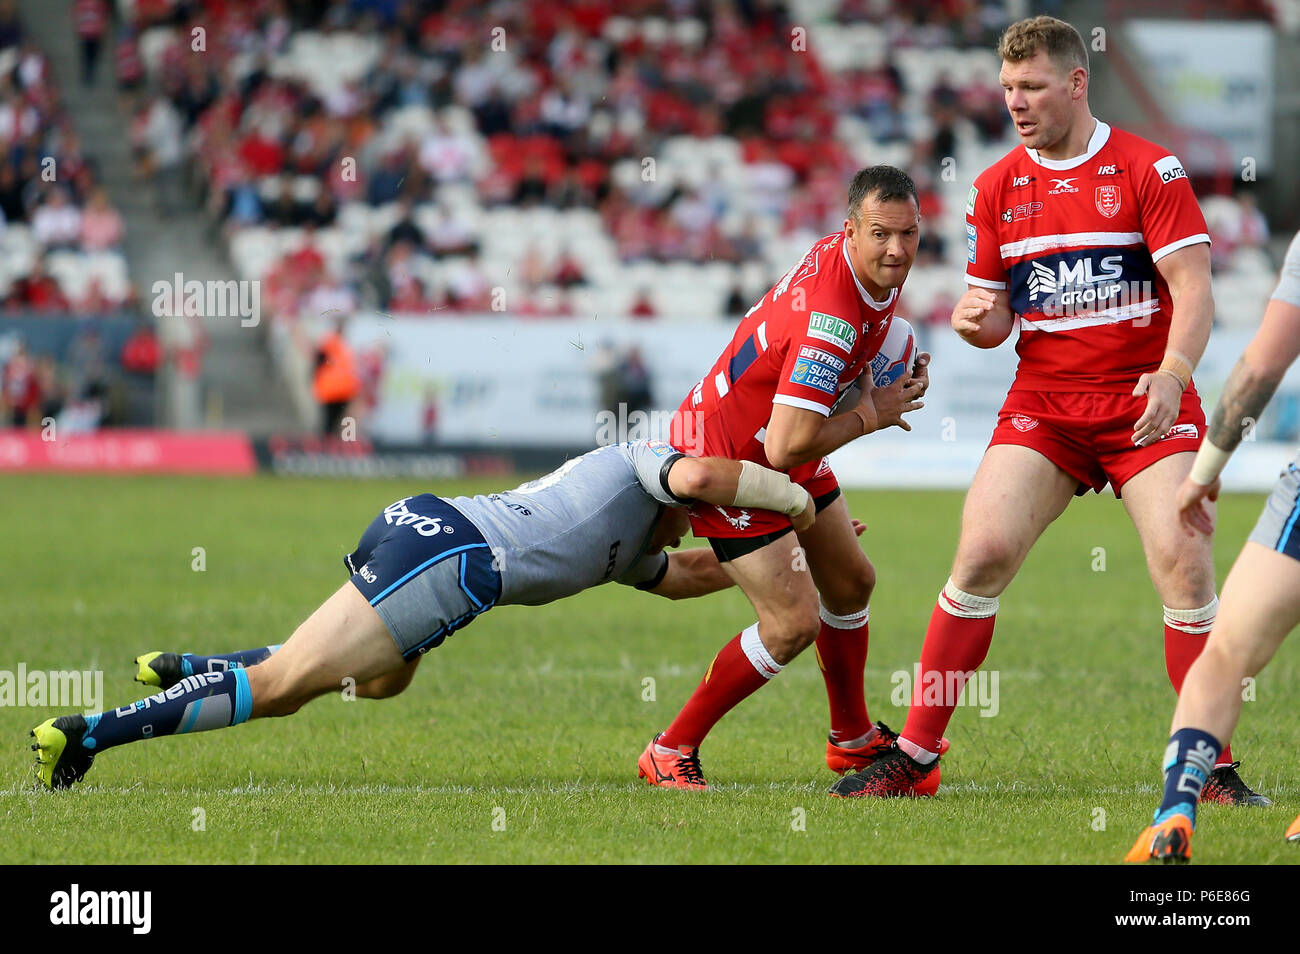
(164, 670)
(343, 638)
(1182, 570)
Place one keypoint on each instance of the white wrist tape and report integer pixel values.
(1209, 463)
(766, 489)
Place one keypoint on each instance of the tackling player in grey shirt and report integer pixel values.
(593, 517)
(427, 566)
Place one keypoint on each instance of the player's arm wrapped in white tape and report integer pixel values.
(766, 489)
(1209, 463)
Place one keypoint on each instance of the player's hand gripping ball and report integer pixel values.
(894, 360)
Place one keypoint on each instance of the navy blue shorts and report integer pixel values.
(426, 570)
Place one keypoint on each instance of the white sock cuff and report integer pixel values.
(852, 621)
(758, 655)
(918, 754)
(957, 602)
(1193, 622)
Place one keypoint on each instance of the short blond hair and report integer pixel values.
(1062, 43)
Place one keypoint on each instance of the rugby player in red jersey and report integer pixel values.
(1090, 240)
(768, 401)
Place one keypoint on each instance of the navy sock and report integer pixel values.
(190, 663)
(210, 700)
(1189, 760)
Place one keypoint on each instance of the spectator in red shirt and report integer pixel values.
(20, 392)
(95, 301)
(141, 353)
(569, 271)
(37, 291)
(643, 307)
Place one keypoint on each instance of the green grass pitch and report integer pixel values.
(518, 740)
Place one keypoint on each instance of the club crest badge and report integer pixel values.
(1108, 200)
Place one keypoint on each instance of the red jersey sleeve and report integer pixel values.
(983, 250)
(1171, 218)
(819, 348)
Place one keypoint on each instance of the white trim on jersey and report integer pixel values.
(984, 282)
(1109, 316)
(720, 382)
(875, 305)
(801, 402)
(1099, 137)
(760, 435)
(1044, 243)
(762, 334)
(1197, 239)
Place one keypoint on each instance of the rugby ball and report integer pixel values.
(895, 358)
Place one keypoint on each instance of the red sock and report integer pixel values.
(842, 657)
(957, 641)
(740, 668)
(1186, 632)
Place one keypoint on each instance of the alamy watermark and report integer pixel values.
(61, 688)
(682, 430)
(208, 299)
(977, 689)
(75, 906)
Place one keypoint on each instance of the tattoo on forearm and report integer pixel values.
(1244, 398)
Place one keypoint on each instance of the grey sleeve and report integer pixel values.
(1288, 286)
(647, 572)
(652, 460)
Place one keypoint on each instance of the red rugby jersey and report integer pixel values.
(805, 341)
(1075, 242)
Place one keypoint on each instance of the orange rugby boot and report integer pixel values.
(1167, 841)
(678, 770)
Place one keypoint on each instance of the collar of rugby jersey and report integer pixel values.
(866, 297)
(1100, 136)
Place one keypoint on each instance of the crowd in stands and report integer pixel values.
(626, 158)
(60, 237)
(60, 254)
(650, 158)
(77, 388)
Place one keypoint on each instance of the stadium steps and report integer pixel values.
(1108, 93)
(241, 387)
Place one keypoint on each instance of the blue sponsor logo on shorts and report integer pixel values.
(815, 374)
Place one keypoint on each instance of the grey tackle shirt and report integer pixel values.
(586, 523)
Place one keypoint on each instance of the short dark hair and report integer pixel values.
(886, 183)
